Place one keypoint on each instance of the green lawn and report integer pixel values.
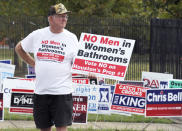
(99, 118)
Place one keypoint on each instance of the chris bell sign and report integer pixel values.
(164, 102)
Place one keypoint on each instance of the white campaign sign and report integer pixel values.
(156, 80)
(9, 84)
(104, 56)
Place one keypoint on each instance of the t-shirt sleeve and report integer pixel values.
(28, 43)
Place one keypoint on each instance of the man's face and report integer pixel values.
(60, 20)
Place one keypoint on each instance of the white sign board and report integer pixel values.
(104, 56)
(9, 84)
(156, 80)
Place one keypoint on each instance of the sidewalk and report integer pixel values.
(101, 125)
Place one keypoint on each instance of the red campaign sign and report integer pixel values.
(80, 109)
(21, 110)
(21, 101)
(126, 89)
(50, 56)
(80, 80)
(1, 107)
(164, 110)
(129, 98)
(99, 67)
(22, 90)
(127, 109)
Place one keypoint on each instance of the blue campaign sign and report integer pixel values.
(164, 102)
(5, 61)
(163, 85)
(104, 95)
(128, 101)
(164, 96)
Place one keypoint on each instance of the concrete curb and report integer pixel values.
(100, 125)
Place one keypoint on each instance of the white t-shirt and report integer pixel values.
(53, 54)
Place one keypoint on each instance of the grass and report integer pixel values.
(99, 118)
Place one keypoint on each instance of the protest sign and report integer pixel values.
(80, 109)
(164, 102)
(21, 101)
(9, 84)
(129, 98)
(104, 56)
(1, 107)
(175, 83)
(156, 80)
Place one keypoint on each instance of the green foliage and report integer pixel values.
(104, 8)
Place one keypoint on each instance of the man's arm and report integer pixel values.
(25, 56)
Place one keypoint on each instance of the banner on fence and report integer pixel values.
(156, 80)
(164, 102)
(80, 109)
(175, 83)
(21, 101)
(9, 84)
(1, 107)
(103, 56)
(129, 98)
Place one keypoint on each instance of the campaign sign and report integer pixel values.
(136, 83)
(163, 85)
(164, 102)
(21, 101)
(5, 61)
(30, 76)
(104, 100)
(6, 70)
(80, 80)
(101, 81)
(154, 79)
(1, 107)
(129, 98)
(9, 84)
(31, 70)
(92, 91)
(104, 56)
(174, 83)
(80, 109)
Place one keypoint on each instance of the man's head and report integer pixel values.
(58, 16)
(58, 9)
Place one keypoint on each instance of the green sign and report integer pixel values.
(175, 83)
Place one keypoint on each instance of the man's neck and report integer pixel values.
(56, 30)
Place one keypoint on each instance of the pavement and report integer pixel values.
(100, 125)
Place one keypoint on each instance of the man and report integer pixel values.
(54, 48)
